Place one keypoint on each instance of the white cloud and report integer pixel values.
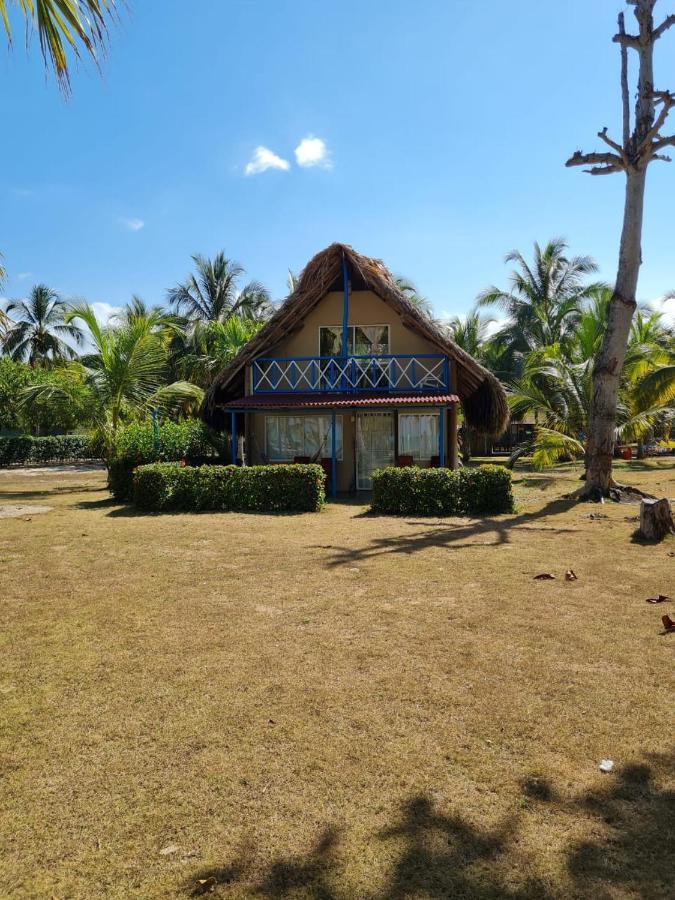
(666, 306)
(264, 159)
(312, 151)
(105, 311)
(22, 276)
(133, 224)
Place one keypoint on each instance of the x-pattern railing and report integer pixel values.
(352, 374)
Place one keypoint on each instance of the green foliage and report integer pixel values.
(442, 492)
(63, 401)
(135, 445)
(54, 448)
(284, 488)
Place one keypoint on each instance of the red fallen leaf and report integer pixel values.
(545, 576)
(570, 575)
(660, 599)
(668, 623)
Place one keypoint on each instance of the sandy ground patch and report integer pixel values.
(10, 511)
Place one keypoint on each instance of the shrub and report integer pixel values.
(135, 445)
(442, 492)
(52, 448)
(285, 488)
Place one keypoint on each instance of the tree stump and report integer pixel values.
(656, 519)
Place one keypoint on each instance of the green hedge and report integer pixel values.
(442, 492)
(53, 448)
(135, 446)
(284, 488)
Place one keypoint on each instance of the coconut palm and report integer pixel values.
(545, 300)
(125, 371)
(63, 26)
(40, 328)
(207, 347)
(556, 385)
(212, 294)
(411, 293)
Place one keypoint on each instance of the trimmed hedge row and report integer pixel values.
(442, 492)
(52, 448)
(284, 488)
(135, 446)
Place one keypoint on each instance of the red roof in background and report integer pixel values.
(332, 401)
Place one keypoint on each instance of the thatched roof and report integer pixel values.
(482, 396)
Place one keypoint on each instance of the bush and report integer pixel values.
(285, 488)
(442, 492)
(53, 448)
(135, 446)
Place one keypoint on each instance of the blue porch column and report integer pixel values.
(441, 437)
(333, 453)
(233, 432)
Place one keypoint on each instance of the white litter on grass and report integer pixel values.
(606, 765)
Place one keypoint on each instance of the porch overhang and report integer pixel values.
(338, 401)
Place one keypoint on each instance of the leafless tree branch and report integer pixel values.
(667, 23)
(610, 143)
(662, 142)
(603, 170)
(601, 159)
(662, 156)
(627, 40)
(625, 97)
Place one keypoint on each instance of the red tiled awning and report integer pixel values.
(338, 401)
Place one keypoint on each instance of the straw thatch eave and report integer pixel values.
(483, 397)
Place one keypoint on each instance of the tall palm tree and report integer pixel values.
(212, 294)
(63, 26)
(39, 328)
(470, 332)
(544, 301)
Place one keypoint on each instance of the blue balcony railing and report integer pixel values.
(423, 373)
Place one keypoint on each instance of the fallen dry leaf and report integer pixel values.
(661, 598)
(545, 576)
(206, 885)
(570, 575)
(167, 851)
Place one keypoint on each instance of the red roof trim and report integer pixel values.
(338, 401)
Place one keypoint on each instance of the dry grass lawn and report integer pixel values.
(333, 705)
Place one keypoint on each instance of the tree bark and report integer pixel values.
(608, 365)
(656, 519)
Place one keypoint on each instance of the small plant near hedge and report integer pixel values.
(284, 488)
(135, 445)
(51, 448)
(442, 492)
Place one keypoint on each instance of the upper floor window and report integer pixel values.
(363, 340)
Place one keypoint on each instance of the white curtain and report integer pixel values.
(418, 435)
(291, 436)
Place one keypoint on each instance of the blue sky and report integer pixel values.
(445, 124)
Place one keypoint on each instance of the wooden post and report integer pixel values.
(453, 437)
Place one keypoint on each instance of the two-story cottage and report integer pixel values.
(349, 373)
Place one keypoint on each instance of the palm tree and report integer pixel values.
(213, 295)
(64, 25)
(208, 347)
(470, 332)
(292, 281)
(411, 293)
(556, 385)
(37, 334)
(545, 300)
(125, 372)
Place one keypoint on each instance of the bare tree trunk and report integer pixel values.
(632, 156)
(609, 364)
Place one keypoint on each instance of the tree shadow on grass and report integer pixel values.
(438, 855)
(453, 536)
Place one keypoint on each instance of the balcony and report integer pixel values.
(423, 373)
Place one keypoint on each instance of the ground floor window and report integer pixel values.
(289, 436)
(418, 435)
